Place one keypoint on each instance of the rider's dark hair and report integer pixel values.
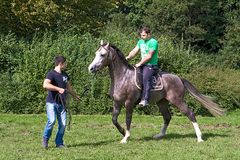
(145, 29)
(59, 59)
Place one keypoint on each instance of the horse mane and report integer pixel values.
(120, 55)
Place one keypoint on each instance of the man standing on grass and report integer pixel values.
(58, 86)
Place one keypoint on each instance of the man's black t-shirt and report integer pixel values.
(59, 80)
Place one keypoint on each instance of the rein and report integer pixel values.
(135, 79)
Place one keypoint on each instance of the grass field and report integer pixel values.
(95, 137)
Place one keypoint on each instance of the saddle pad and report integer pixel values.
(157, 83)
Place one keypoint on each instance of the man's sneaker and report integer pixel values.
(61, 146)
(143, 103)
(45, 142)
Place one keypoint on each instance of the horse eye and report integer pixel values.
(102, 54)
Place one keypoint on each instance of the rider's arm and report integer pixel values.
(146, 59)
(132, 53)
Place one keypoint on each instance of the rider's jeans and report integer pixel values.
(148, 72)
(55, 111)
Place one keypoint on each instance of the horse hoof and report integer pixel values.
(158, 136)
(123, 141)
(200, 140)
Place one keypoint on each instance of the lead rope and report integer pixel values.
(68, 112)
(66, 107)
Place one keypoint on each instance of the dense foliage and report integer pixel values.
(199, 40)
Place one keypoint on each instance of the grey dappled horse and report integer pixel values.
(124, 91)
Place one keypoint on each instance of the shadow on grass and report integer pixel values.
(149, 138)
(94, 144)
(170, 136)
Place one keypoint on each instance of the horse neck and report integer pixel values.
(120, 74)
(118, 70)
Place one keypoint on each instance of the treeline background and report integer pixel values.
(198, 40)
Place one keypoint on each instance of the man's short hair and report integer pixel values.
(59, 59)
(145, 29)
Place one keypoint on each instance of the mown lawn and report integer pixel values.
(94, 137)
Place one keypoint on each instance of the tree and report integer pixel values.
(200, 24)
(29, 16)
(231, 51)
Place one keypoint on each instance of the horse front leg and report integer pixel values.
(115, 114)
(129, 111)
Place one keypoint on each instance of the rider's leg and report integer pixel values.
(148, 72)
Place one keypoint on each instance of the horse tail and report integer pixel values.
(213, 108)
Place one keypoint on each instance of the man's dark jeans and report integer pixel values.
(148, 72)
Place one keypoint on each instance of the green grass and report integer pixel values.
(95, 137)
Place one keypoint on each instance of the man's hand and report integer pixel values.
(61, 90)
(77, 97)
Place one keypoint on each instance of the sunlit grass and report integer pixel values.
(95, 137)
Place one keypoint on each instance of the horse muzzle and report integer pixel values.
(93, 68)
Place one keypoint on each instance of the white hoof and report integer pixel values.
(123, 141)
(158, 136)
(127, 135)
(200, 140)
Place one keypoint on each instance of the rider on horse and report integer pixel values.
(148, 47)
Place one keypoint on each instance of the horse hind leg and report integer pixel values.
(189, 113)
(164, 109)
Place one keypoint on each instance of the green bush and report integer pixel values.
(10, 52)
(37, 57)
(22, 90)
(222, 85)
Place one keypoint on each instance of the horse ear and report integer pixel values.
(101, 42)
(107, 46)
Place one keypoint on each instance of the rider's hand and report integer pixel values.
(138, 65)
(128, 58)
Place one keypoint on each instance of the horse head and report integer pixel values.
(106, 55)
(102, 58)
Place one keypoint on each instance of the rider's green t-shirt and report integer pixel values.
(146, 46)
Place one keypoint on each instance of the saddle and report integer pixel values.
(157, 82)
